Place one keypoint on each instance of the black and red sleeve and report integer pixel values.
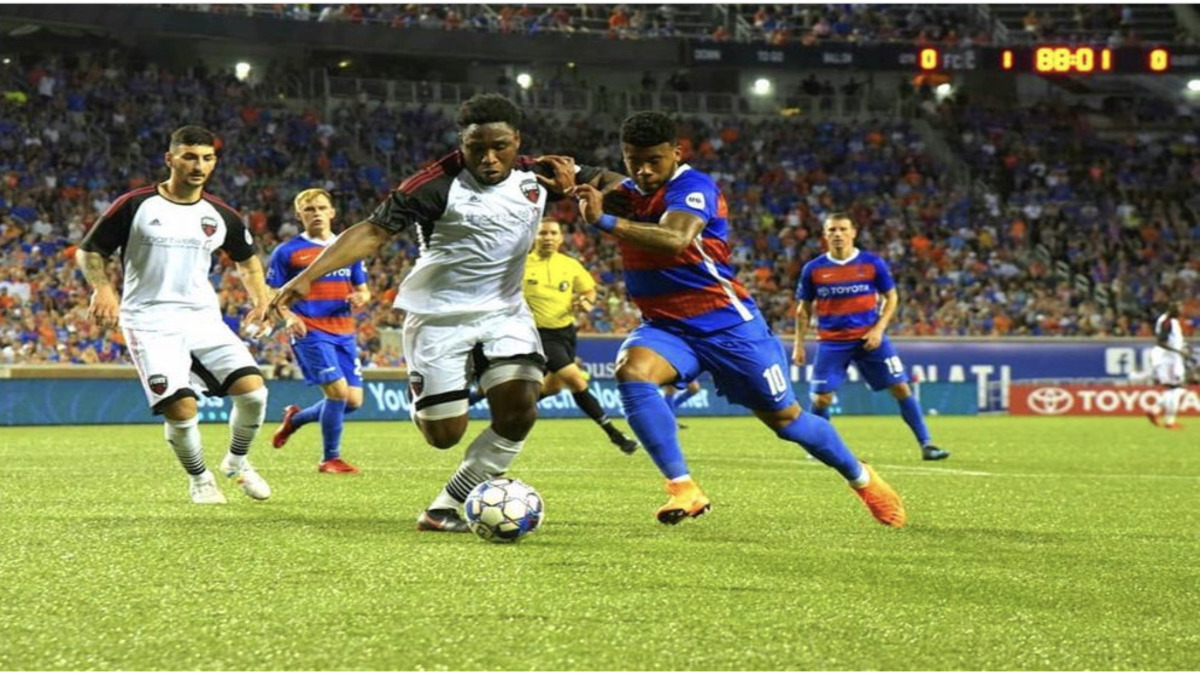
(421, 199)
(111, 231)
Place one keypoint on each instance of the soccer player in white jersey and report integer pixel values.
(169, 313)
(475, 213)
(1169, 360)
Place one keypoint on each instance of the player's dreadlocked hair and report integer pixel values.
(193, 135)
(489, 108)
(644, 129)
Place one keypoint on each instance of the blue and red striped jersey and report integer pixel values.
(845, 293)
(325, 308)
(697, 290)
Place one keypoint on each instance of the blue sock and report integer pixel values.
(475, 396)
(823, 413)
(681, 397)
(821, 440)
(310, 414)
(910, 410)
(332, 416)
(650, 417)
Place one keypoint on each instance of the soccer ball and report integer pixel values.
(502, 510)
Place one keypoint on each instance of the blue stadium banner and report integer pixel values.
(986, 363)
(108, 401)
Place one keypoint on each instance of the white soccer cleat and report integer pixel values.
(204, 490)
(246, 478)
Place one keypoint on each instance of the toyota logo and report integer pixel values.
(1050, 401)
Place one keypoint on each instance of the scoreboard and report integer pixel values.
(1050, 59)
(1057, 59)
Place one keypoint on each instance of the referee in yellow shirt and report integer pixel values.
(555, 286)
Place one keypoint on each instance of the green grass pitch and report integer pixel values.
(1042, 544)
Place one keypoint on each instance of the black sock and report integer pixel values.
(592, 408)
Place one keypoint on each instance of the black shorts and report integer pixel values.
(559, 345)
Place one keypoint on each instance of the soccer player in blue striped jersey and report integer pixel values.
(844, 286)
(671, 223)
(323, 340)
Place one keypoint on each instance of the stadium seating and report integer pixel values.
(1065, 232)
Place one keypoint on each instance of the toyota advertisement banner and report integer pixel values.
(1093, 399)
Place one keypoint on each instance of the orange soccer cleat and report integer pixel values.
(336, 465)
(883, 502)
(285, 430)
(1174, 426)
(686, 501)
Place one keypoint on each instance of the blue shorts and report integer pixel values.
(880, 367)
(324, 359)
(747, 362)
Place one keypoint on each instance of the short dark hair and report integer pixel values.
(839, 215)
(488, 109)
(648, 128)
(193, 135)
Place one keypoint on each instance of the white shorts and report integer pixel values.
(445, 353)
(184, 357)
(1168, 367)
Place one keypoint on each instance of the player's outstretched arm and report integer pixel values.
(359, 242)
(104, 304)
(675, 231)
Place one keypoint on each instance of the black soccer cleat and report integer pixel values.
(932, 452)
(626, 444)
(441, 520)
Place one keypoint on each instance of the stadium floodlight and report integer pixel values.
(1192, 85)
(762, 86)
(6, 61)
(241, 71)
(524, 80)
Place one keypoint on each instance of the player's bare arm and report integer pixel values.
(356, 243)
(804, 310)
(675, 231)
(874, 337)
(104, 304)
(360, 297)
(250, 271)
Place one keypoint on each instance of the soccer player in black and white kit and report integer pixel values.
(169, 313)
(1169, 361)
(475, 213)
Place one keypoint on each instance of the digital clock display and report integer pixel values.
(1053, 59)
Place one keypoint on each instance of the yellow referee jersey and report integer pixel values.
(550, 285)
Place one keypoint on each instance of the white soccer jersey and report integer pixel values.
(166, 250)
(473, 238)
(1174, 331)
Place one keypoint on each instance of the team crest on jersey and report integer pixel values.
(563, 285)
(531, 190)
(209, 225)
(157, 384)
(416, 384)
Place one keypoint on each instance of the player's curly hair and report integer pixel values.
(193, 135)
(647, 128)
(487, 109)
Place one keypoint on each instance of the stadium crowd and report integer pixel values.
(1072, 234)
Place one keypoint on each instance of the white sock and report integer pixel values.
(249, 410)
(863, 480)
(488, 456)
(184, 438)
(1170, 404)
